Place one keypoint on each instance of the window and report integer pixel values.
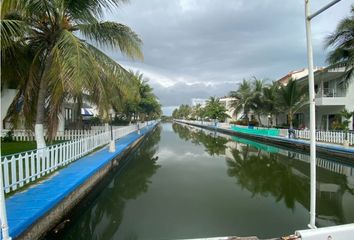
(68, 114)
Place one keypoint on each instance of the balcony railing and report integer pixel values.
(331, 92)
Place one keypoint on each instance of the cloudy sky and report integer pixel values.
(201, 48)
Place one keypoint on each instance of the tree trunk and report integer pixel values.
(290, 119)
(39, 126)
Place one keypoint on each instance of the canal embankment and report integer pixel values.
(34, 211)
(346, 154)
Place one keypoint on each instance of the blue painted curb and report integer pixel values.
(25, 208)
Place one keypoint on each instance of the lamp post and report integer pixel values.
(112, 144)
(308, 18)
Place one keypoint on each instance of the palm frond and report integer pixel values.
(111, 34)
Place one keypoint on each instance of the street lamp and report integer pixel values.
(308, 19)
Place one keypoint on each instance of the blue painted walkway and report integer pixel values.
(24, 208)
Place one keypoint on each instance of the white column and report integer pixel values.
(312, 223)
(3, 216)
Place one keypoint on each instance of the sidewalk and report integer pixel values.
(26, 207)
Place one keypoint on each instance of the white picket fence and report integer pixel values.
(28, 135)
(22, 168)
(327, 136)
(321, 136)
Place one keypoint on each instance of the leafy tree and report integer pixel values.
(244, 98)
(249, 97)
(59, 64)
(342, 39)
(291, 98)
(146, 104)
(215, 110)
(347, 115)
(269, 99)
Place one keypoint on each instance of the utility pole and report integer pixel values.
(308, 19)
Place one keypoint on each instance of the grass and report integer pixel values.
(20, 146)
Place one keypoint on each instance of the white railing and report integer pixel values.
(327, 136)
(28, 135)
(22, 168)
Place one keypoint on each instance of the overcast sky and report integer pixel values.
(202, 48)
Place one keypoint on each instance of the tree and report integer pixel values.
(249, 97)
(269, 99)
(342, 39)
(215, 110)
(60, 65)
(146, 104)
(291, 98)
(244, 98)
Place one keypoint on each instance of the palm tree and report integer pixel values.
(215, 110)
(257, 98)
(244, 98)
(342, 39)
(59, 64)
(249, 97)
(291, 98)
(269, 99)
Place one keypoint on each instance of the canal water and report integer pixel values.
(185, 182)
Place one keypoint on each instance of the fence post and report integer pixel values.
(3, 216)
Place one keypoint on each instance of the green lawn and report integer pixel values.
(16, 147)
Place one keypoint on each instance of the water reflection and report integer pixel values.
(284, 175)
(214, 144)
(104, 217)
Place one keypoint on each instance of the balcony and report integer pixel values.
(331, 97)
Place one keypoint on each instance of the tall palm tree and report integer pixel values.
(291, 98)
(244, 98)
(342, 39)
(215, 110)
(249, 97)
(257, 98)
(61, 65)
(269, 99)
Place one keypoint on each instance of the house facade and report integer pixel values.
(334, 93)
(67, 117)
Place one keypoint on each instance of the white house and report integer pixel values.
(227, 102)
(66, 118)
(332, 96)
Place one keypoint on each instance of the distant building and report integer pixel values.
(227, 102)
(201, 101)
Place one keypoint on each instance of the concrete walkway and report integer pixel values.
(26, 207)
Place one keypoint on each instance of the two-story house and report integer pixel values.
(334, 93)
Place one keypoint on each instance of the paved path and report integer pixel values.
(24, 208)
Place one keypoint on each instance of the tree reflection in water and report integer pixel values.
(214, 144)
(105, 215)
(273, 172)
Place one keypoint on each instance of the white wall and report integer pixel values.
(7, 96)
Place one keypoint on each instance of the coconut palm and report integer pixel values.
(60, 64)
(269, 99)
(342, 39)
(215, 110)
(291, 98)
(249, 97)
(244, 98)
